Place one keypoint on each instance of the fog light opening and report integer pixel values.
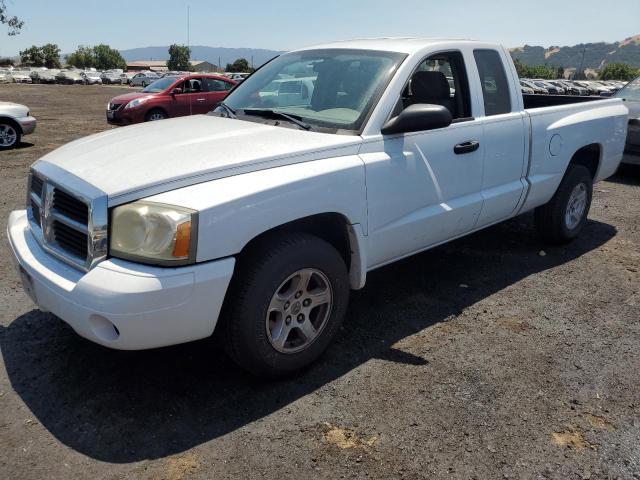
(103, 328)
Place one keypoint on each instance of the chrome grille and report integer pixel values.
(70, 207)
(68, 225)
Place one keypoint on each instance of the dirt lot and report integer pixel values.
(492, 357)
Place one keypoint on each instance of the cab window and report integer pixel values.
(440, 79)
(215, 85)
(493, 80)
(193, 85)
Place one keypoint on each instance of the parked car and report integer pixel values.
(278, 210)
(91, 77)
(125, 77)
(536, 88)
(630, 95)
(169, 97)
(21, 76)
(239, 77)
(595, 88)
(549, 87)
(574, 89)
(111, 77)
(35, 74)
(288, 91)
(526, 90)
(5, 76)
(49, 75)
(15, 121)
(69, 77)
(142, 79)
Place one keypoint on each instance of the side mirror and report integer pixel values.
(176, 91)
(419, 117)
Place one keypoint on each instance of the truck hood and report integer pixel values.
(141, 160)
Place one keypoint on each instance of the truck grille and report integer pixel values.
(63, 224)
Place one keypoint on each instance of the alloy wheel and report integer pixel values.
(299, 310)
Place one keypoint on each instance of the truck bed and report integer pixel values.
(540, 101)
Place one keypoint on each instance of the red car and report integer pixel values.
(171, 96)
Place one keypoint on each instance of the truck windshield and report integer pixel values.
(631, 91)
(329, 89)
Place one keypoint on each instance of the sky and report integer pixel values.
(288, 24)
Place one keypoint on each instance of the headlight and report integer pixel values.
(135, 103)
(154, 233)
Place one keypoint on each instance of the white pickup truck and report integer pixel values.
(261, 216)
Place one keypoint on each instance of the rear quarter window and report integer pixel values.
(493, 79)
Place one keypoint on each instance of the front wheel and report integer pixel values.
(154, 115)
(9, 136)
(286, 304)
(563, 217)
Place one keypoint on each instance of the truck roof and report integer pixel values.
(392, 44)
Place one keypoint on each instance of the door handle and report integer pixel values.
(200, 99)
(466, 147)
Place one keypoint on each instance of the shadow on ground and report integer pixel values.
(127, 406)
(626, 175)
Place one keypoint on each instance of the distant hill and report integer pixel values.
(209, 54)
(596, 55)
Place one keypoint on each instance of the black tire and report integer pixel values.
(15, 129)
(144, 84)
(550, 219)
(258, 276)
(155, 114)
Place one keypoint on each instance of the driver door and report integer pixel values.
(180, 103)
(424, 187)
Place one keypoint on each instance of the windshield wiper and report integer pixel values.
(291, 118)
(230, 111)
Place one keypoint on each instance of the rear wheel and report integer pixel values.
(563, 217)
(286, 304)
(9, 136)
(155, 114)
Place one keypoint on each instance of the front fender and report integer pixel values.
(236, 209)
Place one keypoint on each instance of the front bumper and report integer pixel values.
(120, 304)
(124, 117)
(28, 124)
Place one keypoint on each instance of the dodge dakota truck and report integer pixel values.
(257, 219)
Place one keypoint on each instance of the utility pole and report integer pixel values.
(251, 62)
(579, 70)
(188, 27)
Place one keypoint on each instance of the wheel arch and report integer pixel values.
(156, 107)
(589, 157)
(12, 122)
(335, 229)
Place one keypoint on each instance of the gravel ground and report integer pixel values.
(491, 357)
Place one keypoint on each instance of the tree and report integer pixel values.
(179, 58)
(12, 22)
(32, 57)
(538, 71)
(51, 55)
(619, 71)
(240, 65)
(82, 57)
(47, 55)
(107, 58)
(560, 73)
